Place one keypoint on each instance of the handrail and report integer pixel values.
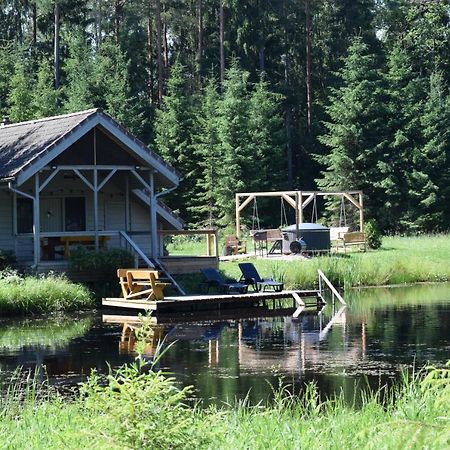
(330, 285)
(136, 248)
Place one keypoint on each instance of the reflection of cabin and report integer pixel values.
(80, 179)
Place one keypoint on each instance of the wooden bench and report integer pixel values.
(233, 246)
(351, 238)
(142, 284)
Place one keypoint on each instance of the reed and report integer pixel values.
(41, 294)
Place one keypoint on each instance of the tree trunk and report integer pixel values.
(221, 43)
(98, 20)
(309, 99)
(200, 40)
(34, 24)
(56, 46)
(151, 79)
(165, 43)
(117, 19)
(159, 51)
(262, 65)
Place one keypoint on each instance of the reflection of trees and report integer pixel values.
(50, 332)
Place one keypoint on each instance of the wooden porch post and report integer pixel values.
(36, 222)
(297, 215)
(361, 212)
(127, 203)
(238, 217)
(153, 221)
(95, 191)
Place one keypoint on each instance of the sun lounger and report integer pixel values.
(214, 279)
(251, 277)
(141, 284)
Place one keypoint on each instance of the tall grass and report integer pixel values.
(400, 260)
(144, 409)
(41, 294)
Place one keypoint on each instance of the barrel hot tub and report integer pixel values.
(315, 236)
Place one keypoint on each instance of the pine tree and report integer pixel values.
(7, 56)
(207, 151)
(45, 97)
(79, 69)
(235, 141)
(356, 129)
(20, 96)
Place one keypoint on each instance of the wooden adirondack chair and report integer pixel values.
(141, 284)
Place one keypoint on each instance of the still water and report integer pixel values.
(368, 343)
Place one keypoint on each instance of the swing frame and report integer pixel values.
(298, 200)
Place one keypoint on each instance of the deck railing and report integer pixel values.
(323, 280)
(212, 241)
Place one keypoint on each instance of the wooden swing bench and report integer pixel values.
(351, 238)
(141, 284)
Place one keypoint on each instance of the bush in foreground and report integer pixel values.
(40, 294)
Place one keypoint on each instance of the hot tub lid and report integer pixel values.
(305, 226)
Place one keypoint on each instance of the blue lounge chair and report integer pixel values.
(214, 279)
(251, 277)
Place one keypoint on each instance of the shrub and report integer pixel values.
(104, 263)
(7, 259)
(373, 234)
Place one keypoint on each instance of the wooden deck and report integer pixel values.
(194, 303)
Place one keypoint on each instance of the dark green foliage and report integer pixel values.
(373, 234)
(375, 123)
(102, 264)
(7, 259)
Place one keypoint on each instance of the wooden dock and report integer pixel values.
(193, 303)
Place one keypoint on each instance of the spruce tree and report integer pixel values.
(20, 96)
(45, 97)
(79, 70)
(404, 97)
(235, 141)
(431, 171)
(267, 135)
(207, 151)
(173, 128)
(356, 129)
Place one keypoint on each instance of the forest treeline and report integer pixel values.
(253, 95)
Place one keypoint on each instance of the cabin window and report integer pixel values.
(75, 213)
(24, 215)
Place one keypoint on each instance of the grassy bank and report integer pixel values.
(40, 294)
(137, 410)
(400, 260)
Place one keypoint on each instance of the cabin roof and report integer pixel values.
(34, 143)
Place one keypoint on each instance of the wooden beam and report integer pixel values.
(238, 217)
(36, 221)
(352, 200)
(95, 189)
(48, 179)
(107, 178)
(143, 182)
(153, 220)
(186, 232)
(308, 200)
(289, 200)
(361, 213)
(83, 178)
(245, 202)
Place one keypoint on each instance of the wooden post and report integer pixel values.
(208, 245)
(297, 215)
(127, 203)
(361, 213)
(216, 244)
(95, 191)
(300, 206)
(238, 218)
(36, 222)
(153, 221)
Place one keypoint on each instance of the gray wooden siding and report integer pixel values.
(6, 234)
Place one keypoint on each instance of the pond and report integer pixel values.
(368, 343)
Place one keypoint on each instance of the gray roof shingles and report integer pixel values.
(22, 143)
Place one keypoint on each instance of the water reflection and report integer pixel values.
(368, 343)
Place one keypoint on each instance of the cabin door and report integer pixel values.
(51, 214)
(114, 216)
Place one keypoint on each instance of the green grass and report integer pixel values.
(146, 410)
(400, 260)
(41, 294)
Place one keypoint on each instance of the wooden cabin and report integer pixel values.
(80, 179)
